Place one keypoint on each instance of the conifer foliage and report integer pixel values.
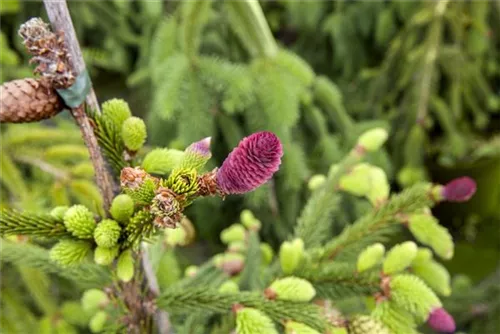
(124, 263)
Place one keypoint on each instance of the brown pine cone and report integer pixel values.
(28, 100)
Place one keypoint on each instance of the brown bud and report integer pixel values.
(28, 100)
(207, 184)
(49, 53)
(132, 177)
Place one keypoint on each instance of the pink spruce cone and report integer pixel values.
(441, 321)
(251, 164)
(459, 190)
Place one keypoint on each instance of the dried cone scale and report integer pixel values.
(28, 100)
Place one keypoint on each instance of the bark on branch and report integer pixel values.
(60, 20)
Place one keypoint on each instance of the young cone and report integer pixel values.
(80, 222)
(441, 321)
(251, 164)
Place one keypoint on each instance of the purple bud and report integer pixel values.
(251, 164)
(201, 147)
(459, 190)
(441, 321)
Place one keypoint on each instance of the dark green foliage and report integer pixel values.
(44, 225)
(205, 299)
(29, 255)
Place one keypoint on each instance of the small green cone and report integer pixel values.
(122, 208)
(363, 324)
(105, 256)
(400, 257)
(291, 288)
(107, 233)
(125, 266)
(372, 140)
(292, 327)
(59, 211)
(252, 321)
(379, 186)
(249, 221)
(98, 321)
(70, 252)
(370, 257)
(74, 313)
(80, 222)
(235, 232)
(291, 253)
(266, 252)
(62, 327)
(316, 181)
(229, 287)
(116, 111)
(191, 271)
(357, 181)
(134, 133)
(94, 299)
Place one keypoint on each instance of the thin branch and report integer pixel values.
(60, 19)
(44, 166)
(162, 318)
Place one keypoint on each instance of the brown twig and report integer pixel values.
(60, 19)
(162, 318)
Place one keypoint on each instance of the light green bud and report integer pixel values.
(229, 287)
(93, 300)
(370, 257)
(125, 266)
(400, 257)
(134, 133)
(426, 229)
(235, 232)
(252, 321)
(117, 111)
(291, 288)
(373, 139)
(69, 252)
(291, 253)
(316, 181)
(292, 327)
(105, 256)
(267, 253)
(107, 233)
(122, 208)
(98, 321)
(80, 222)
(59, 211)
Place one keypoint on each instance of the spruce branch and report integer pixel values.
(409, 201)
(339, 280)
(162, 317)
(13, 222)
(434, 40)
(28, 255)
(203, 299)
(314, 223)
(250, 24)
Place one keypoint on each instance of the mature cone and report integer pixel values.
(28, 100)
